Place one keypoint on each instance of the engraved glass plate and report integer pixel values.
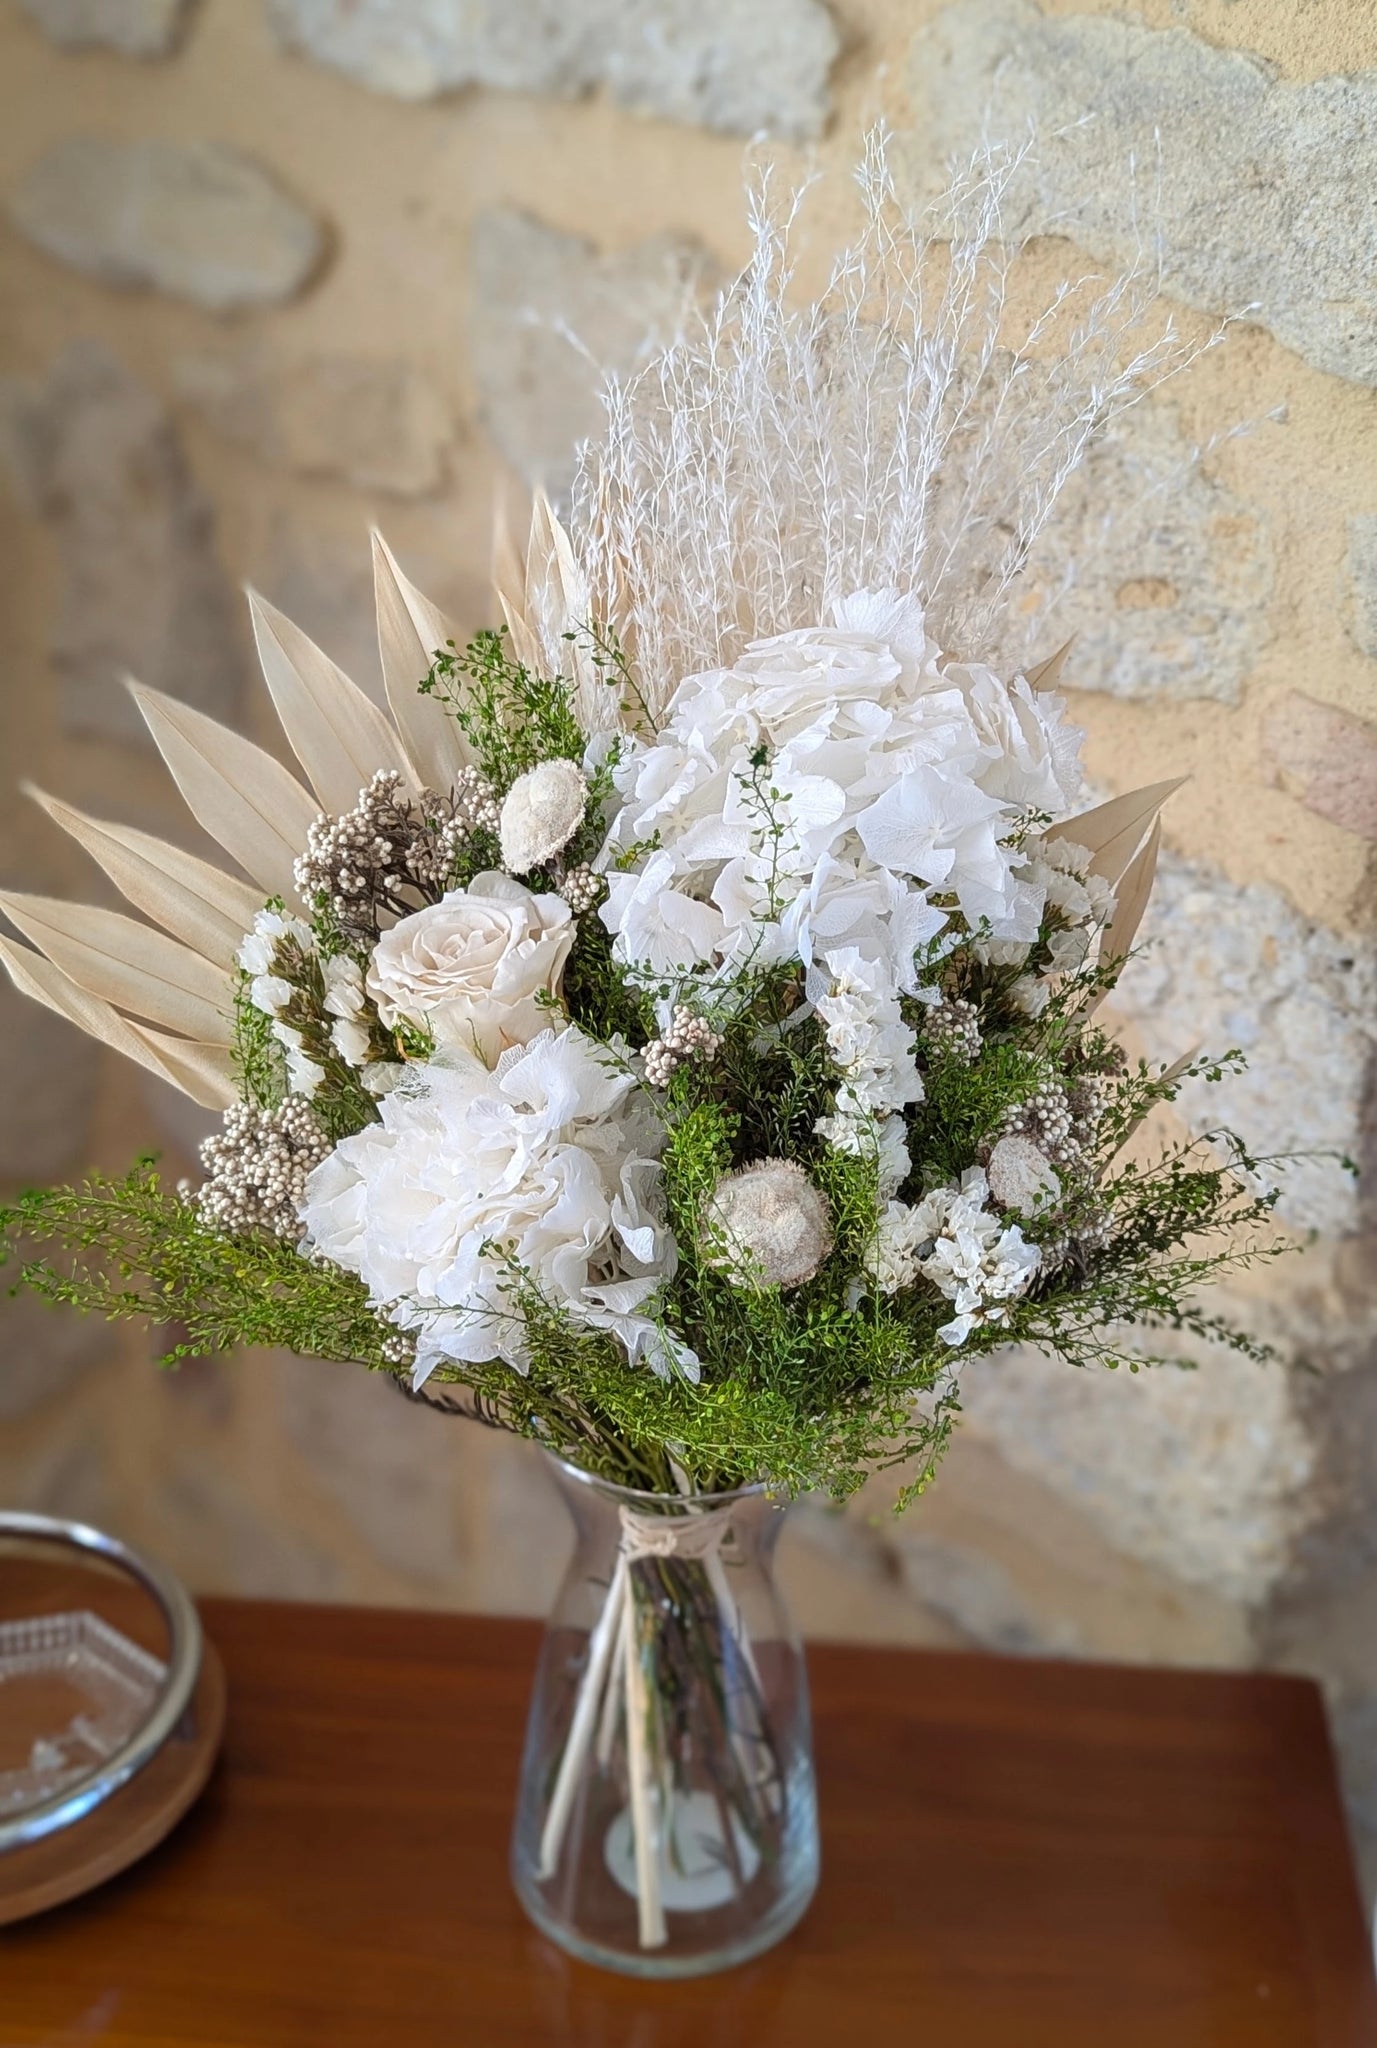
(72, 1690)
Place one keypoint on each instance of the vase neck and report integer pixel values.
(694, 1532)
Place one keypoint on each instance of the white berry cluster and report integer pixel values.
(583, 889)
(362, 861)
(689, 1037)
(474, 804)
(952, 1030)
(472, 807)
(257, 1166)
(1060, 1119)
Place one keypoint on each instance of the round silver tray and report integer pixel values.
(183, 1667)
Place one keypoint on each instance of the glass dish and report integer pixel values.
(72, 1690)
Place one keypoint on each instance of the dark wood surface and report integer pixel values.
(1016, 1855)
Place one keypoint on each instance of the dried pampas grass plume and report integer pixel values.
(902, 430)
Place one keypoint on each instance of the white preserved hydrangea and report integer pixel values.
(953, 1240)
(887, 775)
(542, 811)
(545, 1162)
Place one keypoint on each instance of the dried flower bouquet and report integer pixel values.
(673, 1022)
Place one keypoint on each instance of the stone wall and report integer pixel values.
(273, 269)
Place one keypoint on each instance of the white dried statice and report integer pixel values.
(348, 1008)
(895, 1253)
(541, 812)
(257, 1166)
(305, 1076)
(258, 951)
(772, 1223)
(952, 1240)
(1061, 869)
(545, 1163)
(882, 1140)
(872, 1048)
(870, 1044)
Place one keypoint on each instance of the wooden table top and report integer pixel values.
(1015, 1855)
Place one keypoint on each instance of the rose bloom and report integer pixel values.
(471, 968)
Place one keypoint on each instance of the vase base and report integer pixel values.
(666, 1963)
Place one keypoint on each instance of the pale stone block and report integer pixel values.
(198, 220)
(136, 28)
(142, 590)
(734, 65)
(1253, 188)
(378, 424)
(1235, 965)
(1326, 758)
(1362, 579)
(1201, 1474)
(1163, 575)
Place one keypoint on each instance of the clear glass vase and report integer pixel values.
(666, 1823)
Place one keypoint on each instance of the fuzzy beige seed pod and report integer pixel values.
(542, 811)
(774, 1224)
(1022, 1177)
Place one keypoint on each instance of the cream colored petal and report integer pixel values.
(196, 902)
(1113, 832)
(127, 963)
(337, 733)
(558, 603)
(1168, 1074)
(204, 1072)
(34, 976)
(410, 630)
(1134, 890)
(247, 802)
(508, 572)
(525, 647)
(1047, 674)
(509, 587)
